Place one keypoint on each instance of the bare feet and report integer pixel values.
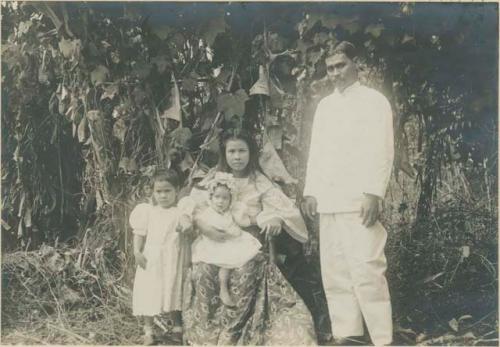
(226, 298)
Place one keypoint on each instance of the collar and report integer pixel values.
(350, 88)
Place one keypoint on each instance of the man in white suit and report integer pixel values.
(349, 167)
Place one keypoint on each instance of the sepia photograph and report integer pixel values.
(249, 173)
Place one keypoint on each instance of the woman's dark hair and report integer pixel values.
(166, 175)
(245, 136)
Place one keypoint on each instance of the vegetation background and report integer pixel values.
(95, 95)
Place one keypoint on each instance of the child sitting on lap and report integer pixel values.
(235, 248)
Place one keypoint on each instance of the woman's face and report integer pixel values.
(237, 156)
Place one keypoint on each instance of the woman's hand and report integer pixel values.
(272, 227)
(140, 260)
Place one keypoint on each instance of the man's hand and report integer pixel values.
(272, 228)
(140, 260)
(309, 207)
(369, 210)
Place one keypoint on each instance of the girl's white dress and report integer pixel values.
(158, 288)
(232, 253)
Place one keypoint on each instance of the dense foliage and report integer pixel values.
(92, 100)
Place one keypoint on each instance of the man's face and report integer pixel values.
(341, 71)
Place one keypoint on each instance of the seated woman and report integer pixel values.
(267, 310)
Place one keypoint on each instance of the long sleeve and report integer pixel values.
(312, 181)
(275, 204)
(381, 155)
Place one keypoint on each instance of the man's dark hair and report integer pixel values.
(344, 47)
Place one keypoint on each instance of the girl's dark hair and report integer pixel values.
(245, 136)
(166, 175)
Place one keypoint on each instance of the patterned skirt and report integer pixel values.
(268, 311)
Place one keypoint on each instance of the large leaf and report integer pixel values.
(275, 134)
(99, 75)
(375, 29)
(24, 27)
(180, 137)
(272, 165)
(407, 38)
(232, 104)
(120, 129)
(11, 54)
(82, 130)
(70, 48)
(128, 164)
(110, 91)
(261, 86)
(174, 111)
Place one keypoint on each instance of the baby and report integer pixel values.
(236, 247)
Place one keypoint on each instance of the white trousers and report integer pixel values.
(353, 266)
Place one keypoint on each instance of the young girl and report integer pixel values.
(234, 247)
(158, 254)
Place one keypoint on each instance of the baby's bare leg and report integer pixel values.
(225, 296)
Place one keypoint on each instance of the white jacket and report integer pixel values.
(352, 149)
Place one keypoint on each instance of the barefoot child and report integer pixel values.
(232, 247)
(158, 278)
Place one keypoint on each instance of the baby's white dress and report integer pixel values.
(232, 253)
(158, 288)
